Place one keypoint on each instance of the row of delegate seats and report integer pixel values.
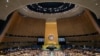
(39, 52)
(80, 52)
(14, 35)
(12, 43)
(15, 44)
(18, 50)
(95, 33)
(72, 52)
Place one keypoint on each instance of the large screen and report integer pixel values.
(61, 39)
(40, 39)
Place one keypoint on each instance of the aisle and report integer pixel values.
(52, 54)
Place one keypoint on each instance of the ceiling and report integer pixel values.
(8, 6)
(51, 10)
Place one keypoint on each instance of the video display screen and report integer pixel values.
(40, 39)
(61, 39)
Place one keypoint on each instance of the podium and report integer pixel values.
(51, 35)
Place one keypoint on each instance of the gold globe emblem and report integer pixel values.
(51, 37)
